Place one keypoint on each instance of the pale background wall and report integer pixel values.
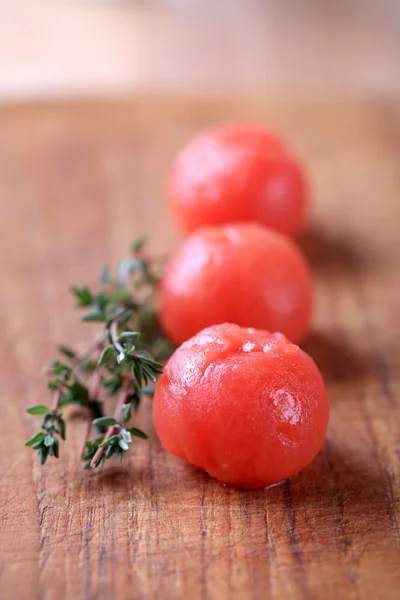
(71, 47)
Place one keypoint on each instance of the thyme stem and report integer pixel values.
(56, 400)
(119, 363)
(93, 396)
(114, 336)
(113, 429)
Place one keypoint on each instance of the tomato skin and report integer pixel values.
(238, 173)
(247, 406)
(240, 273)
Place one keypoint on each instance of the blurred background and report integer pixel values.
(102, 47)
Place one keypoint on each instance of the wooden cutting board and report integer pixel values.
(77, 183)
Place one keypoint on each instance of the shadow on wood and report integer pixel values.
(343, 475)
(336, 359)
(326, 252)
(115, 477)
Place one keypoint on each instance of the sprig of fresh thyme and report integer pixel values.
(124, 360)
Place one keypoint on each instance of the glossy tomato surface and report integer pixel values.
(238, 173)
(241, 273)
(247, 406)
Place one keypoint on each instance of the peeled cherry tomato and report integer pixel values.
(242, 273)
(238, 173)
(246, 405)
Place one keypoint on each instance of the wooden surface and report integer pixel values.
(77, 183)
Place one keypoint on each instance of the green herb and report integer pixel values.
(124, 360)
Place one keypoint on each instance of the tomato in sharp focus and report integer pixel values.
(238, 173)
(246, 405)
(240, 273)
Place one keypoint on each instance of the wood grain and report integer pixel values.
(77, 183)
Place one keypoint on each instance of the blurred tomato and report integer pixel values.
(238, 173)
(241, 273)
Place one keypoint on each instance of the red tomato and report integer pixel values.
(242, 273)
(238, 173)
(246, 405)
